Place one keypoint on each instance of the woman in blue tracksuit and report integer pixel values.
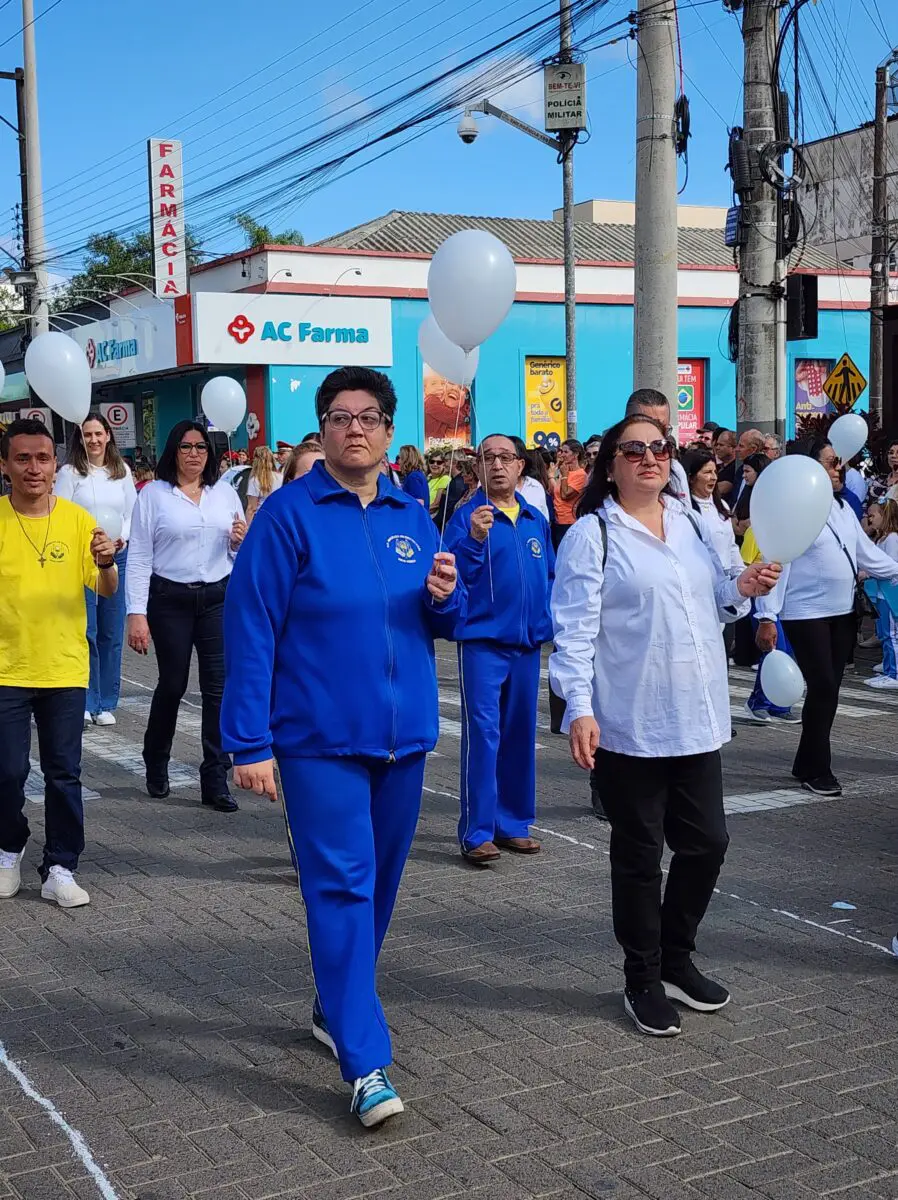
(505, 560)
(335, 598)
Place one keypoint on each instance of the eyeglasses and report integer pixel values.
(193, 447)
(368, 419)
(502, 457)
(635, 452)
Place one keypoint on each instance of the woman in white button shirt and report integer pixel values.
(186, 528)
(637, 605)
(713, 513)
(814, 599)
(95, 480)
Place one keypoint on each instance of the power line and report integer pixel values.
(34, 21)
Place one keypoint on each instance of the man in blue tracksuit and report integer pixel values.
(335, 599)
(505, 560)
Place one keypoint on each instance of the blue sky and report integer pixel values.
(280, 74)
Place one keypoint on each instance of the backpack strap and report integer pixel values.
(603, 531)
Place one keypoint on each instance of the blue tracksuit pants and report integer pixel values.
(499, 692)
(887, 631)
(351, 822)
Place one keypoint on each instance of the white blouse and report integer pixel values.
(638, 645)
(175, 538)
(96, 490)
(720, 535)
(534, 493)
(821, 582)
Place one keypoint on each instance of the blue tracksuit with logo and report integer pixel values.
(508, 578)
(330, 669)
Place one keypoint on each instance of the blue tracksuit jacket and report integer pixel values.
(522, 561)
(329, 627)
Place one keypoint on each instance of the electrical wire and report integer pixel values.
(33, 21)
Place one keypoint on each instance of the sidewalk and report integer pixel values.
(168, 1022)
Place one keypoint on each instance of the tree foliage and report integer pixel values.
(258, 234)
(114, 264)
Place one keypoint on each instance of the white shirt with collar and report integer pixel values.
(534, 493)
(175, 538)
(719, 534)
(821, 582)
(97, 490)
(638, 643)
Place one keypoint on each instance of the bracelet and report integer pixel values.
(107, 566)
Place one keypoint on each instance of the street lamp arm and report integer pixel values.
(492, 110)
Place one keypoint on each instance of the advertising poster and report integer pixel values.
(810, 376)
(447, 411)
(544, 388)
(690, 398)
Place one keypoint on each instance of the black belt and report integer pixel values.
(160, 583)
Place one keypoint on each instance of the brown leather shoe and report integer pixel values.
(481, 855)
(527, 845)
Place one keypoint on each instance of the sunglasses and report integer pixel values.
(635, 452)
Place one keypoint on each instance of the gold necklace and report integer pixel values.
(42, 553)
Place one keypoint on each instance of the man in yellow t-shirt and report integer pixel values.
(50, 551)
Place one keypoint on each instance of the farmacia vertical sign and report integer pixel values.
(167, 217)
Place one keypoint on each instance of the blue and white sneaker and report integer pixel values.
(895, 945)
(320, 1031)
(374, 1099)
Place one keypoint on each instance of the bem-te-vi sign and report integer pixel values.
(292, 330)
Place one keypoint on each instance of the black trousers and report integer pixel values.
(822, 646)
(185, 617)
(648, 801)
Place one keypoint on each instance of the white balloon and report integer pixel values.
(56, 367)
(848, 435)
(224, 402)
(789, 506)
(444, 356)
(781, 680)
(471, 284)
(2, 377)
(109, 520)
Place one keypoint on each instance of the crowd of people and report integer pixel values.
(339, 562)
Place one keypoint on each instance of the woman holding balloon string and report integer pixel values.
(186, 528)
(97, 478)
(815, 596)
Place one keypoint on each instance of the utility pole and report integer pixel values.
(879, 259)
(758, 274)
(568, 140)
(34, 219)
(656, 260)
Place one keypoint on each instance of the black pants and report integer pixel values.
(185, 617)
(59, 717)
(648, 800)
(822, 647)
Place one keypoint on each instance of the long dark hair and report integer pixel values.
(534, 467)
(757, 462)
(601, 485)
(693, 462)
(167, 467)
(76, 455)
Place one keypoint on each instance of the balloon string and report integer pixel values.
(93, 496)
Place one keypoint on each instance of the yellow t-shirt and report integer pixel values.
(511, 513)
(750, 550)
(43, 616)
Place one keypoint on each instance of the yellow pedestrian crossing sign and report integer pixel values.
(844, 384)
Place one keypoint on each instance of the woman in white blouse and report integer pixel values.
(186, 528)
(97, 478)
(814, 600)
(637, 602)
(713, 513)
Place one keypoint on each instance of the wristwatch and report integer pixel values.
(106, 566)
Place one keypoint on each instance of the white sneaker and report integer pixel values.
(88, 717)
(883, 683)
(104, 718)
(10, 873)
(878, 669)
(62, 888)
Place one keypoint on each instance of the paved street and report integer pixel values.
(168, 1022)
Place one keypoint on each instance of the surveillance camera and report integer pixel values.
(467, 129)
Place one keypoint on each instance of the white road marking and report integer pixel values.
(122, 752)
(34, 786)
(80, 1148)
(146, 688)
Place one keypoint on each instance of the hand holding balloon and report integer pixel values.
(102, 547)
(759, 579)
(443, 576)
(482, 521)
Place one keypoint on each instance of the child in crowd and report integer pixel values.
(882, 526)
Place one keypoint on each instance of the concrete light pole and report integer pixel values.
(35, 217)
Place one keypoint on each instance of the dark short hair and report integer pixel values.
(720, 431)
(644, 398)
(167, 467)
(519, 448)
(23, 427)
(357, 379)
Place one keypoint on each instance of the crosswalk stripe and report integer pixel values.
(34, 786)
(844, 710)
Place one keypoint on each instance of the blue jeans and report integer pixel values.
(59, 716)
(105, 635)
(887, 632)
(757, 701)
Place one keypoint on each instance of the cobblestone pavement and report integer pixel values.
(168, 1022)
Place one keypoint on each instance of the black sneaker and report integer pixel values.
(823, 785)
(651, 1011)
(690, 987)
